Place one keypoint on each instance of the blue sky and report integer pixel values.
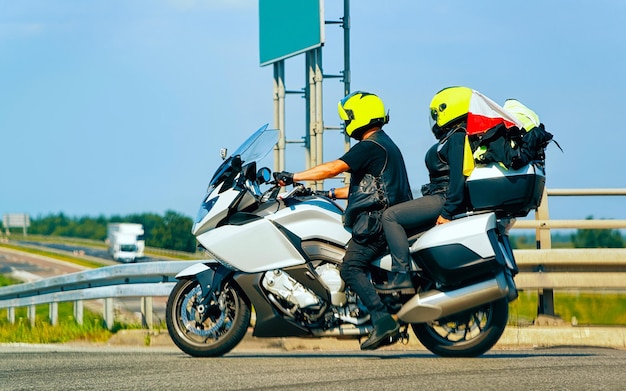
(117, 107)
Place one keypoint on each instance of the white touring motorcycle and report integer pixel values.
(280, 253)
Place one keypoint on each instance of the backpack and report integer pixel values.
(513, 147)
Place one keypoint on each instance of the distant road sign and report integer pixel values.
(288, 28)
(15, 220)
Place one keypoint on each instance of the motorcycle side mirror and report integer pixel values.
(223, 153)
(264, 175)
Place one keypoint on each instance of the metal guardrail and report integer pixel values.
(544, 269)
(144, 280)
(593, 269)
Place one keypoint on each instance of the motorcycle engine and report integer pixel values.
(285, 287)
(329, 273)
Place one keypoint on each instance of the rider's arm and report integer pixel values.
(456, 187)
(341, 192)
(322, 171)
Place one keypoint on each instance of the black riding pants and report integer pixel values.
(354, 269)
(413, 216)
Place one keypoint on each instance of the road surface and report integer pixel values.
(66, 367)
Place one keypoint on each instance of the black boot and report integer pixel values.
(400, 281)
(384, 330)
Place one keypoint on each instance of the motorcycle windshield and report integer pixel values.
(255, 148)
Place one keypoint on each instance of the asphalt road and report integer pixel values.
(89, 251)
(65, 367)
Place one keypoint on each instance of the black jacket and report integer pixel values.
(383, 159)
(444, 162)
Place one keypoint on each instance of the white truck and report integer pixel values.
(126, 241)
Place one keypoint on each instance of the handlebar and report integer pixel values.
(298, 188)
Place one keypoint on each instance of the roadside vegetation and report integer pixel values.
(92, 330)
(172, 231)
(67, 330)
(581, 238)
(580, 308)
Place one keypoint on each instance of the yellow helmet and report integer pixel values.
(447, 107)
(361, 111)
(527, 117)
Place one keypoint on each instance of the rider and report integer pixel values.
(364, 115)
(444, 196)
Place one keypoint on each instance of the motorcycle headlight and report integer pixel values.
(205, 208)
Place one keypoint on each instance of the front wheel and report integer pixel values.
(467, 334)
(224, 327)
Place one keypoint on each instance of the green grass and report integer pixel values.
(92, 329)
(594, 309)
(67, 329)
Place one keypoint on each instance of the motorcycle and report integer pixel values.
(279, 253)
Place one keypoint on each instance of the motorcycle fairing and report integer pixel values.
(276, 236)
(192, 270)
(316, 218)
(269, 322)
(260, 246)
(213, 210)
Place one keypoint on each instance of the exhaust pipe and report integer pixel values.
(344, 331)
(435, 304)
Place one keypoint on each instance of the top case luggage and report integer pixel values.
(507, 192)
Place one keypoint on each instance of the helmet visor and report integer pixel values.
(347, 115)
(432, 118)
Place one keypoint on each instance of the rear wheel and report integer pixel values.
(467, 334)
(224, 327)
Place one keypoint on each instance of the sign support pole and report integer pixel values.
(279, 114)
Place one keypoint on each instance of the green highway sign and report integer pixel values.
(288, 28)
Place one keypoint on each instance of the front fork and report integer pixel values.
(211, 284)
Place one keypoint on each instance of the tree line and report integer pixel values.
(582, 238)
(171, 231)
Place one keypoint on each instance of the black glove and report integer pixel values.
(321, 193)
(284, 177)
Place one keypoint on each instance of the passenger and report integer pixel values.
(377, 155)
(443, 197)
